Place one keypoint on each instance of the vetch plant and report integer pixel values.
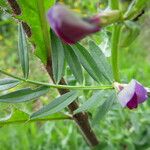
(55, 32)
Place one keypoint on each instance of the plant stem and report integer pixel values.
(33, 120)
(80, 87)
(114, 51)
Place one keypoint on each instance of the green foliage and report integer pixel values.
(135, 8)
(134, 63)
(16, 116)
(73, 63)
(89, 63)
(8, 83)
(94, 100)
(101, 61)
(57, 105)
(32, 14)
(23, 95)
(23, 51)
(57, 57)
(129, 33)
(105, 107)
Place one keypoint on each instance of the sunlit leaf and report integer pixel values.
(23, 95)
(18, 116)
(56, 105)
(32, 14)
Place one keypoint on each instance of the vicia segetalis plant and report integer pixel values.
(55, 32)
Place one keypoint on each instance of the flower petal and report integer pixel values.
(127, 93)
(140, 92)
(69, 27)
(133, 103)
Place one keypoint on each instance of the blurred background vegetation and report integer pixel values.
(121, 129)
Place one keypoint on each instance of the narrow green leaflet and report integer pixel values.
(23, 51)
(24, 95)
(8, 83)
(56, 105)
(34, 15)
(87, 62)
(92, 101)
(57, 57)
(101, 61)
(73, 63)
(18, 116)
(104, 108)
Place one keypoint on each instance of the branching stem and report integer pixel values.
(80, 87)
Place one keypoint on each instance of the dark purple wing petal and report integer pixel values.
(133, 103)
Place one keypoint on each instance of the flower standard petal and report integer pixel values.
(69, 27)
(132, 94)
(127, 93)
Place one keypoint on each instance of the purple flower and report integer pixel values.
(132, 94)
(70, 27)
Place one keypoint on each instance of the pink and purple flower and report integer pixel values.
(132, 94)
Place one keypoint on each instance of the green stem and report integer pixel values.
(34, 120)
(114, 4)
(80, 87)
(114, 51)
